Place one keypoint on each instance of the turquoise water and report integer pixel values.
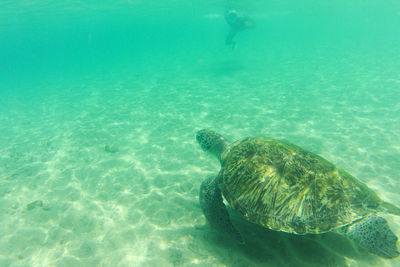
(101, 100)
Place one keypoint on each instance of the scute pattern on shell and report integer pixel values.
(286, 188)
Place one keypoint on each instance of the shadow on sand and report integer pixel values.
(265, 247)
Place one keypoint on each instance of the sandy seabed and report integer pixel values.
(107, 172)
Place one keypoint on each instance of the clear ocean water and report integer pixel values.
(101, 101)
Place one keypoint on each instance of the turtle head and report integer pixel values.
(212, 142)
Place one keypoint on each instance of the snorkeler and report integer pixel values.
(237, 22)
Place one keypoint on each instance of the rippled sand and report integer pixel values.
(106, 171)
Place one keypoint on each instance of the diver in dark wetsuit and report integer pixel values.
(237, 22)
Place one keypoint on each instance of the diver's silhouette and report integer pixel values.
(237, 22)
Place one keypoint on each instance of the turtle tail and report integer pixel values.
(392, 209)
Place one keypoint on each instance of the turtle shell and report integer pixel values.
(283, 187)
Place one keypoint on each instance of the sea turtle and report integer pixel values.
(283, 187)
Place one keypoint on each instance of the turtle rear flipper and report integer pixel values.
(373, 233)
(215, 211)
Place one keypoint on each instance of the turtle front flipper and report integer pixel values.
(373, 233)
(214, 209)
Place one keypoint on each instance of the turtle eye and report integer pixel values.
(203, 139)
(207, 139)
(198, 136)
